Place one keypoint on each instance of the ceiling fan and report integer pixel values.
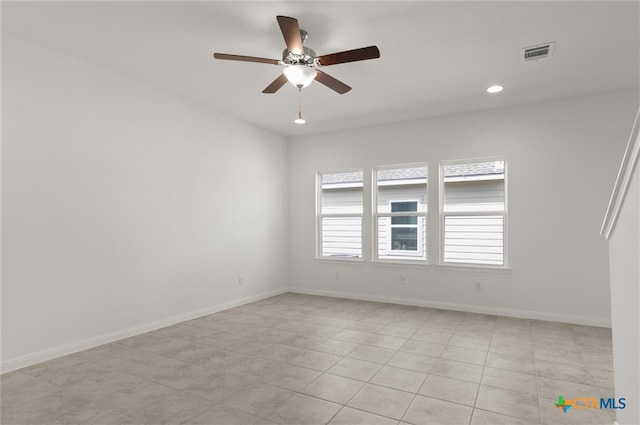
(301, 63)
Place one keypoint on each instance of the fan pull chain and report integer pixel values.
(299, 120)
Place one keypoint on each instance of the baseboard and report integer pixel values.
(523, 314)
(85, 344)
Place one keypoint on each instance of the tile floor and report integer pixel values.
(298, 359)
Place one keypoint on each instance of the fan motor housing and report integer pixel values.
(305, 59)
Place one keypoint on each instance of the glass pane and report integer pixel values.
(402, 189)
(481, 170)
(354, 177)
(391, 240)
(474, 239)
(342, 193)
(474, 187)
(404, 238)
(404, 206)
(402, 174)
(342, 237)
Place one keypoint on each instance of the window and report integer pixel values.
(401, 213)
(473, 212)
(340, 214)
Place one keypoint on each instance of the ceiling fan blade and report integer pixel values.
(245, 58)
(354, 55)
(291, 33)
(276, 84)
(336, 85)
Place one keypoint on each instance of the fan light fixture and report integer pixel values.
(300, 75)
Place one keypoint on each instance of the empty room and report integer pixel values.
(318, 213)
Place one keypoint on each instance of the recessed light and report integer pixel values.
(495, 89)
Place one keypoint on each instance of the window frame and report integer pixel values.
(403, 256)
(503, 213)
(320, 216)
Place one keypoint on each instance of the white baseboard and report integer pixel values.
(63, 350)
(73, 347)
(523, 314)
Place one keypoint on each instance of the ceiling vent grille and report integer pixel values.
(534, 53)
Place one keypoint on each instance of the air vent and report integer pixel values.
(534, 53)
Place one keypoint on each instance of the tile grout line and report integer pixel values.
(244, 317)
(484, 365)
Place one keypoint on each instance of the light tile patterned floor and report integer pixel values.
(298, 359)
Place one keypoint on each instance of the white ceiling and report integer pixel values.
(436, 57)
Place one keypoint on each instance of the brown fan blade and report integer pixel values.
(291, 33)
(332, 83)
(354, 55)
(245, 58)
(275, 86)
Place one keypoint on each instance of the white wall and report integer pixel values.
(125, 207)
(562, 158)
(624, 260)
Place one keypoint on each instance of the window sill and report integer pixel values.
(352, 260)
(475, 268)
(400, 263)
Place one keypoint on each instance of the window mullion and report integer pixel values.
(325, 215)
(402, 214)
(472, 213)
